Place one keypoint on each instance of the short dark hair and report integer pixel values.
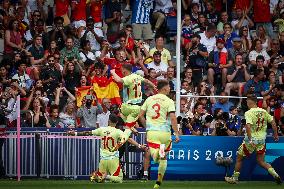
(260, 57)
(211, 27)
(84, 42)
(157, 36)
(252, 97)
(54, 107)
(113, 118)
(257, 72)
(50, 56)
(128, 67)
(58, 18)
(162, 83)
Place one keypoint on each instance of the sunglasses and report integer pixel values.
(36, 15)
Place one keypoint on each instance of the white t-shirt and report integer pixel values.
(162, 67)
(209, 43)
(91, 37)
(253, 54)
(90, 55)
(102, 119)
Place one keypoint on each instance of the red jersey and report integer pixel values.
(96, 10)
(79, 12)
(61, 7)
(130, 44)
(261, 11)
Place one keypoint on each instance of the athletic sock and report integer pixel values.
(161, 170)
(236, 175)
(115, 179)
(146, 173)
(272, 172)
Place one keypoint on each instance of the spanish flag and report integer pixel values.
(81, 92)
(106, 88)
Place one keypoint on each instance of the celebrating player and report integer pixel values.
(158, 109)
(256, 125)
(109, 156)
(132, 95)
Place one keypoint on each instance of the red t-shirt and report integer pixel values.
(61, 7)
(261, 11)
(130, 44)
(79, 13)
(96, 11)
(241, 4)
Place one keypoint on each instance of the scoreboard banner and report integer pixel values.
(194, 158)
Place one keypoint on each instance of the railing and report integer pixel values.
(43, 156)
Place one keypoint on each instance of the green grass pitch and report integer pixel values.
(82, 184)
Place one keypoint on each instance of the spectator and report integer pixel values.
(211, 15)
(94, 35)
(269, 85)
(102, 118)
(255, 85)
(88, 113)
(238, 75)
(242, 19)
(223, 103)
(256, 50)
(195, 127)
(22, 78)
(159, 66)
(261, 35)
(219, 62)
(86, 55)
(186, 30)
(261, 15)
(260, 65)
(68, 116)
(245, 37)
(52, 49)
(71, 76)
(194, 12)
(228, 35)
(37, 56)
(51, 76)
(53, 118)
(61, 10)
(165, 53)
(238, 49)
(278, 73)
(207, 38)
(141, 20)
(69, 52)
(13, 39)
(4, 77)
(171, 78)
(96, 9)
(223, 19)
(58, 34)
(37, 30)
(274, 51)
(162, 8)
(195, 58)
(201, 24)
(79, 14)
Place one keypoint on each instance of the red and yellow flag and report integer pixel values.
(81, 92)
(106, 88)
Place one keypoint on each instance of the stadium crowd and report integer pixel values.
(58, 55)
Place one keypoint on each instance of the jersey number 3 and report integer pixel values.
(157, 109)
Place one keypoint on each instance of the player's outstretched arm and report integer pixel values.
(174, 126)
(83, 133)
(116, 77)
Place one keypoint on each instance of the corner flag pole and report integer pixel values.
(18, 139)
(178, 55)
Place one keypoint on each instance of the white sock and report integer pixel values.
(146, 173)
(107, 177)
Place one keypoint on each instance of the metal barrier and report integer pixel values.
(60, 157)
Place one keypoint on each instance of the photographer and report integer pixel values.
(88, 112)
(193, 124)
(221, 128)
